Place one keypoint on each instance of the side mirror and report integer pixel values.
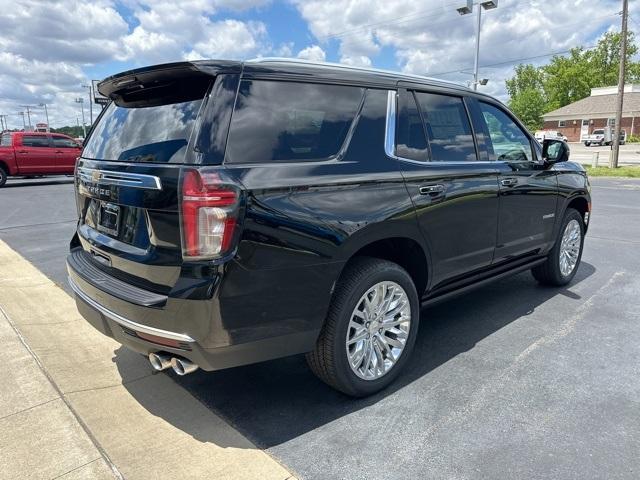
(554, 151)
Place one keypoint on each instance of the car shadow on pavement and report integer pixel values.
(276, 401)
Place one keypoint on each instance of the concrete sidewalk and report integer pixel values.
(75, 404)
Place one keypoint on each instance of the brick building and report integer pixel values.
(596, 111)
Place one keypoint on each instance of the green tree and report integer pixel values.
(566, 79)
(526, 90)
(72, 131)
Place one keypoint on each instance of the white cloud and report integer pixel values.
(430, 37)
(314, 52)
(45, 46)
(229, 39)
(356, 61)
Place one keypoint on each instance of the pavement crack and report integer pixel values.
(77, 468)
(30, 408)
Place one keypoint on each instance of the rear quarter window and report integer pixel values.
(5, 140)
(277, 121)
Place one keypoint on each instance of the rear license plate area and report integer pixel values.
(109, 218)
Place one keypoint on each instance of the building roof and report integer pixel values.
(597, 106)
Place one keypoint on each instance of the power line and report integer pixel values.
(508, 62)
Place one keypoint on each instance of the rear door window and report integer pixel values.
(35, 141)
(289, 121)
(411, 139)
(448, 128)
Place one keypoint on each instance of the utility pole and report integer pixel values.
(28, 107)
(615, 146)
(46, 114)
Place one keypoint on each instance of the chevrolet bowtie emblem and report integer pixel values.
(95, 176)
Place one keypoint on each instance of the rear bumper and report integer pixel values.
(148, 329)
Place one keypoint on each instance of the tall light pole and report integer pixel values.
(46, 114)
(90, 88)
(80, 100)
(467, 9)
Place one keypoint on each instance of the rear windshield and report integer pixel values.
(151, 130)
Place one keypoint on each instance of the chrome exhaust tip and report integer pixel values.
(159, 361)
(182, 366)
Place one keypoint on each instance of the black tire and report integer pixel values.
(3, 176)
(549, 272)
(587, 144)
(329, 358)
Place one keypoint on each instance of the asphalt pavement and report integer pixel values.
(511, 381)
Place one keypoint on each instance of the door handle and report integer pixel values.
(59, 151)
(22, 151)
(508, 182)
(432, 189)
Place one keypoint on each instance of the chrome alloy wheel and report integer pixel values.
(378, 330)
(570, 247)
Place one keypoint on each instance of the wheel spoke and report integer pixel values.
(361, 335)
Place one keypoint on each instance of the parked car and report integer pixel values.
(542, 135)
(36, 153)
(601, 137)
(231, 213)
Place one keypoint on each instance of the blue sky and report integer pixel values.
(48, 49)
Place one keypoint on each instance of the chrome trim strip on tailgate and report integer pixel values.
(119, 319)
(124, 179)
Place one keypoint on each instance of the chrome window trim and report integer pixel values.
(122, 321)
(390, 138)
(123, 179)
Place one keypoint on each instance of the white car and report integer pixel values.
(541, 135)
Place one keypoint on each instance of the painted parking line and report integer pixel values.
(146, 424)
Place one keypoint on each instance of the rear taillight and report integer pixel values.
(208, 210)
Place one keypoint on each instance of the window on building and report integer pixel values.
(561, 123)
(611, 122)
(585, 123)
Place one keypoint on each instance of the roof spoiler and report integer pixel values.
(132, 80)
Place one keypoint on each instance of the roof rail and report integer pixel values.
(348, 67)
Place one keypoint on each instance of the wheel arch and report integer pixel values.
(582, 205)
(407, 251)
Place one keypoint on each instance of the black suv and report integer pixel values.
(231, 213)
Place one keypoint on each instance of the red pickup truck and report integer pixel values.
(36, 153)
